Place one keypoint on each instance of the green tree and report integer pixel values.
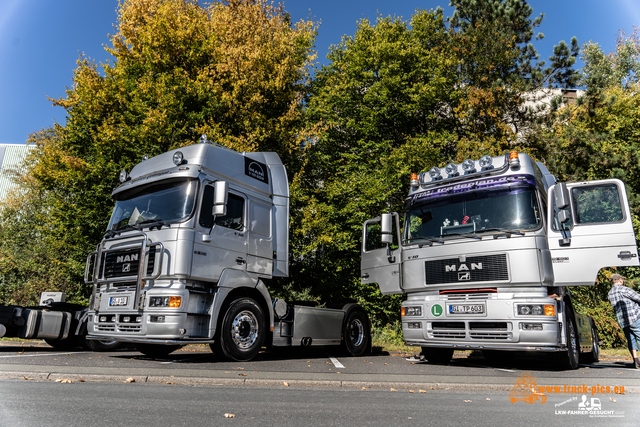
(381, 111)
(499, 70)
(236, 70)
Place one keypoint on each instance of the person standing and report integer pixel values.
(626, 305)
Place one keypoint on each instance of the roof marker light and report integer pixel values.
(485, 161)
(178, 158)
(414, 180)
(434, 173)
(514, 160)
(145, 157)
(451, 169)
(468, 165)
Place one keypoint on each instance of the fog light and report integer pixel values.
(416, 325)
(434, 173)
(139, 319)
(531, 326)
(103, 318)
(451, 169)
(156, 319)
(178, 158)
(126, 319)
(485, 161)
(468, 165)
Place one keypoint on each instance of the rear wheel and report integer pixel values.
(356, 333)
(66, 344)
(156, 351)
(241, 334)
(437, 355)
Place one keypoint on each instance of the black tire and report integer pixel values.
(242, 331)
(569, 359)
(69, 343)
(356, 333)
(437, 355)
(594, 355)
(156, 351)
(95, 345)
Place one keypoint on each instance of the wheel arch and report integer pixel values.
(236, 284)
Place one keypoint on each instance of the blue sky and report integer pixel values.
(40, 41)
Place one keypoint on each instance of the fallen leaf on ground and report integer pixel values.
(363, 388)
(63, 381)
(286, 384)
(467, 401)
(422, 391)
(613, 400)
(411, 391)
(243, 375)
(393, 389)
(229, 415)
(130, 380)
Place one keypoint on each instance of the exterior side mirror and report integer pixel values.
(562, 196)
(220, 195)
(386, 228)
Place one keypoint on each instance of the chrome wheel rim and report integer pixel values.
(244, 329)
(356, 332)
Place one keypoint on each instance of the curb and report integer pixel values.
(408, 386)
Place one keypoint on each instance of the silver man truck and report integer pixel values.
(487, 252)
(194, 235)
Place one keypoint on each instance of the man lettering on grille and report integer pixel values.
(626, 304)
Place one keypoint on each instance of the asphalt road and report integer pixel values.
(314, 386)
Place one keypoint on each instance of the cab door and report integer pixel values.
(381, 262)
(221, 241)
(594, 231)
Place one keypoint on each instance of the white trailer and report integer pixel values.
(488, 251)
(194, 234)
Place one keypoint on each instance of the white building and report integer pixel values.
(12, 157)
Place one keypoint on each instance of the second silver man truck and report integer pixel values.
(488, 251)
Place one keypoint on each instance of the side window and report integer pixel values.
(597, 204)
(260, 219)
(373, 236)
(235, 211)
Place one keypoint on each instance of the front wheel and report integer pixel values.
(594, 355)
(240, 335)
(356, 333)
(156, 351)
(437, 355)
(97, 345)
(569, 359)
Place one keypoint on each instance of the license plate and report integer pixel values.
(466, 309)
(118, 301)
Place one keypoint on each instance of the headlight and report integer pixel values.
(172, 302)
(411, 311)
(536, 310)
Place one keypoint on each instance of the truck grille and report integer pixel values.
(126, 263)
(488, 268)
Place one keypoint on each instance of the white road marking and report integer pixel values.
(335, 362)
(45, 354)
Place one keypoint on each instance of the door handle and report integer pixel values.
(626, 254)
(365, 276)
(240, 260)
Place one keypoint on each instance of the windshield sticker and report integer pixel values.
(479, 184)
(256, 170)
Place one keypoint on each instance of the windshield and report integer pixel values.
(473, 208)
(161, 202)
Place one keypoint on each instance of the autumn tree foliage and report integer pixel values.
(236, 70)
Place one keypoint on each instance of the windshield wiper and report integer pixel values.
(503, 230)
(421, 241)
(152, 223)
